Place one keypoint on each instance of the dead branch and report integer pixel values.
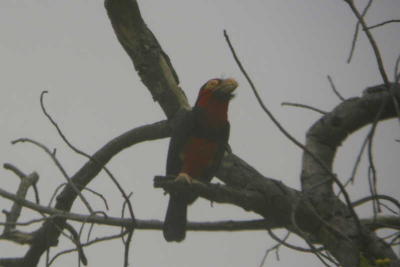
(80, 152)
(151, 63)
(383, 23)
(334, 88)
(379, 222)
(138, 224)
(375, 48)
(50, 230)
(303, 106)
(26, 181)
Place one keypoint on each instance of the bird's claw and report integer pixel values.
(184, 177)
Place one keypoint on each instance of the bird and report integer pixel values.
(196, 149)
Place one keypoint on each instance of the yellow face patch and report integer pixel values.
(212, 83)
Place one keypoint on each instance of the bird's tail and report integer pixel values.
(175, 219)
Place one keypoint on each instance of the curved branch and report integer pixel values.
(327, 134)
(323, 140)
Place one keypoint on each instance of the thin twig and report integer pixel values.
(76, 150)
(357, 163)
(53, 196)
(383, 23)
(142, 224)
(15, 170)
(26, 181)
(21, 175)
(30, 222)
(36, 193)
(275, 247)
(334, 88)
(372, 173)
(75, 239)
(127, 246)
(304, 106)
(99, 195)
(383, 197)
(298, 248)
(356, 31)
(59, 166)
(372, 178)
(372, 41)
(396, 70)
(97, 240)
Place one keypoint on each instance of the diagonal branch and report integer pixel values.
(152, 64)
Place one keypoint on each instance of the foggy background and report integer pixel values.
(288, 48)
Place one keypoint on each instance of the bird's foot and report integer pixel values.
(184, 177)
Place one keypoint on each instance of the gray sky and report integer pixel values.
(288, 47)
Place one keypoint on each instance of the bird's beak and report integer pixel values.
(226, 87)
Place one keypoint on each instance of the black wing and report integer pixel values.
(183, 125)
(222, 139)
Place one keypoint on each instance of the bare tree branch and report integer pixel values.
(59, 166)
(380, 222)
(150, 61)
(138, 224)
(383, 23)
(372, 41)
(80, 152)
(323, 139)
(334, 88)
(356, 31)
(26, 181)
(382, 197)
(50, 231)
(315, 211)
(304, 106)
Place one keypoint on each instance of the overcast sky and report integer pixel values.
(288, 47)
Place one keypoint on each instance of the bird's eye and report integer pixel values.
(212, 83)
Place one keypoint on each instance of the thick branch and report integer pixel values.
(152, 64)
(380, 222)
(247, 199)
(328, 133)
(323, 140)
